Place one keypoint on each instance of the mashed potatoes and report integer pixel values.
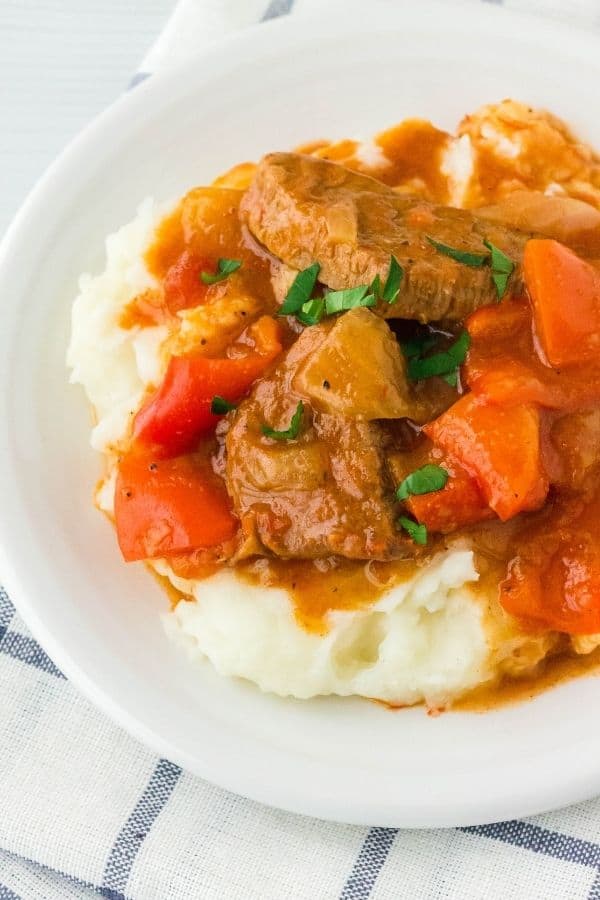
(423, 639)
(431, 638)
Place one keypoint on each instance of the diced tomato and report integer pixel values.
(565, 294)
(499, 447)
(554, 582)
(182, 285)
(179, 413)
(165, 507)
(460, 502)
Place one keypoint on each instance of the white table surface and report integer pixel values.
(62, 62)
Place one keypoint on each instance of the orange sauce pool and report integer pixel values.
(414, 150)
(493, 173)
(316, 588)
(412, 157)
(553, 671)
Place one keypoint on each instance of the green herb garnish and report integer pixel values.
(444, 363)
(340, 301)
(422, 481)
(219, 406)
(451, 378)
(418, 346)
(391, 288)
(502, 268)
(224, 268)
(299, 293)
(375, 287)
(311, 312)
(475, 260)
(290, 433)
(417, 532)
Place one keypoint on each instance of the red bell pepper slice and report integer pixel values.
(179, 413)
(504, 368)
(565, 294)
(182, 285)
(459, 503)
(499, 447)
(165, 507)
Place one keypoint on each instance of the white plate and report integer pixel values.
(268, 88)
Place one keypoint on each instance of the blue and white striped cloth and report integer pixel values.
(87, 811)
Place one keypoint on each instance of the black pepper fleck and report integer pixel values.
(326, 385)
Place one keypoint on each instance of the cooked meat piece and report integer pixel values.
(307, 210)
(357, 370)
(323, 493)
(565, 219)
(282, 278)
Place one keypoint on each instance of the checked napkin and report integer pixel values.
(85, 811)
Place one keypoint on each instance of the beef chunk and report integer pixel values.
(324, 492)
(307, 210)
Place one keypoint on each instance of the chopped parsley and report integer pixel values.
(475, 260)
(225, 267)
(391, 288)
(220, 406)
(418, 346)
(444, 363)
(300, 291)
(502, 268)
(291, 432)
(451, 378)
(425, 480)
(375, 287)
(311, 312)
(417, 532)
(341, 301)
